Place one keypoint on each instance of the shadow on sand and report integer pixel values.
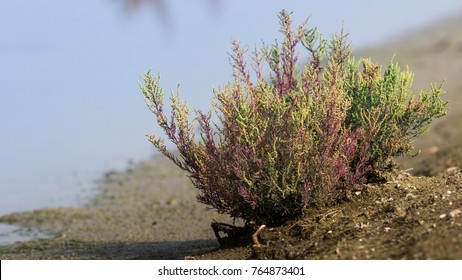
(57, 248)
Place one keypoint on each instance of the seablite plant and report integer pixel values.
(298, 136)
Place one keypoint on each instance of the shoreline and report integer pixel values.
(148, 211)
(10, 234)
(75, 189)
(78, 193)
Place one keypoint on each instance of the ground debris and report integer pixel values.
(455, 213)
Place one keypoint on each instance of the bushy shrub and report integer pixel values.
(298, 137)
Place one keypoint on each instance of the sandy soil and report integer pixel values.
(150, 213)
(406, 218)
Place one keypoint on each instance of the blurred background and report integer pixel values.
(70, 106)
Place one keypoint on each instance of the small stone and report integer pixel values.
(449, 192)
(329, 232)
(411, 195)
(453, 170)
(454, 213)
(442, 216)
(400, 212)
(361, 225)
(172, 202)
(357, 193)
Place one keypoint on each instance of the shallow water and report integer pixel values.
(66, 186)
(46, 191)
(66, 193)
(10, 234)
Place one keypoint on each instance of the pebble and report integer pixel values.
(337, 250)
(453, 170)
(361, 225)
(400, 212)
(433, 149)
(454, 213)
(442, 216)
(172, 202)
(411, 195)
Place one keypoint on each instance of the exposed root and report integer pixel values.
(222, 227)
(256, 243)
(232, 235)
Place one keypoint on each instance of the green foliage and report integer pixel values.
(295, 138)
(387, 107)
